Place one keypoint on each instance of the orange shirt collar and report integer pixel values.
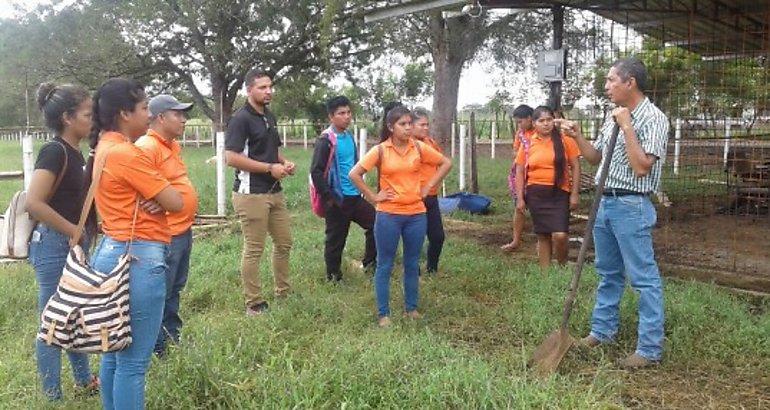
(172, 145)
(113, 136)
(389, 143)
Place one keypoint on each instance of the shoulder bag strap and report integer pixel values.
(89, 201)
(333, 146)
(133, 226)
(419, 149)
(59, 177)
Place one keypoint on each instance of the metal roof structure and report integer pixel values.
(711, 28)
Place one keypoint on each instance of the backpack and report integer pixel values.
(512, 175)
(18, 225)
(316, 201)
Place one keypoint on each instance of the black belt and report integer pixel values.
(621, 192)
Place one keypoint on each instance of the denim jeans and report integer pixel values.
(48, 254)
(388, 230)
(178, 263)
(623, 241)
(123, 373)
(435, 232)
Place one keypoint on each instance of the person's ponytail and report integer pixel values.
(559, 160)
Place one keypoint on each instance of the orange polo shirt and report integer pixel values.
(541, 161)
(167, 157)
(427, 171)
(401, 173)
(128, 172)
(528, 134)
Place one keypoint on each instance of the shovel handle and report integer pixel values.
(588, 235)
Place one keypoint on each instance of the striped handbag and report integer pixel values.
(89, 312)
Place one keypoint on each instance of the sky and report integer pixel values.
(476, 85)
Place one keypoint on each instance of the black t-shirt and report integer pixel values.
(256, 136)
(67, 201)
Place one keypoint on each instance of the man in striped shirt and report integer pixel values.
(623, 229)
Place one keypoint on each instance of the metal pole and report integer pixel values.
(283, 129)
(677, 144)
(304, 136)
(474, 162)
(492, 138)
(727, 143)
(554, 97)
(452, 138)
(462, 157)
(221, 210)
(27, 159)
(362, 143)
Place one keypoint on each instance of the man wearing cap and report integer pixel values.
(169, 117)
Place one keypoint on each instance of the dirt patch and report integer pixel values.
(728, 250)
(715, 388)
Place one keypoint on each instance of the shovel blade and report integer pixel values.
(550, 353)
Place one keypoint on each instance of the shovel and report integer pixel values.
(550, 353)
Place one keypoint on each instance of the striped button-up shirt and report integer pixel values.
(651, 127)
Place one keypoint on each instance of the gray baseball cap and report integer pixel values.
(164, 102)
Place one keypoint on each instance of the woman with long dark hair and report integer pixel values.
(129, 178)
(55, 199)
(399, 203)
(545, 186)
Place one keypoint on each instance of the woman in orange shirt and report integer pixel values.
(544, 186)
(399, 203)
(435, 231)
(129, 178)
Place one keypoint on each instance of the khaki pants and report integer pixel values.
(258, 215)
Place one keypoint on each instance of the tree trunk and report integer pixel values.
(218, 90)
(446, 83)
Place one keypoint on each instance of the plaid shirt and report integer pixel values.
(651, 127)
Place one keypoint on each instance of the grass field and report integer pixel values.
(320, 348)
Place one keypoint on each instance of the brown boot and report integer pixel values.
(414, 315)
(590, 342)
(636, 361)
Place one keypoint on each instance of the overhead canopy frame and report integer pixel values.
(714, 29)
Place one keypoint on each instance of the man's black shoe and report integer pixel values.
(257, 309)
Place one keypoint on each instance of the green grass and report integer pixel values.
(321, 349)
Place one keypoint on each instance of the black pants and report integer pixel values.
(435, 233)
(338, 218)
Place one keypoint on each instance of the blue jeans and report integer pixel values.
(47, 254)
(623, 241)
(388, 230)
(178, 262)
(123, 373)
